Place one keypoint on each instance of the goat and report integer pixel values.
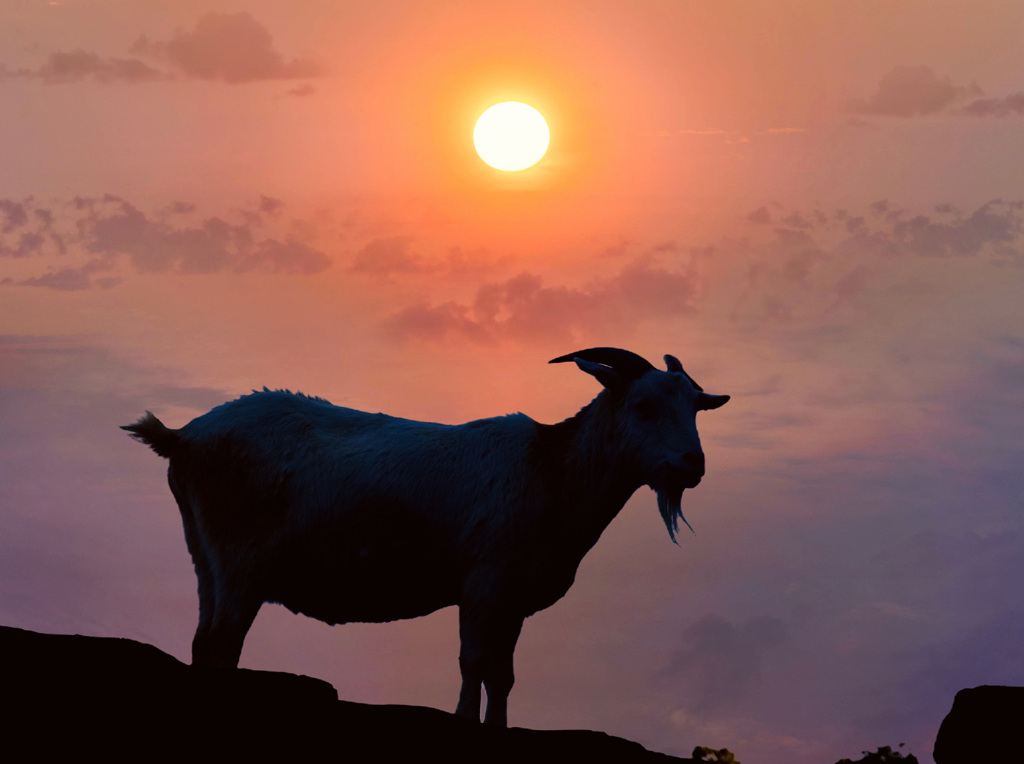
(349, 516)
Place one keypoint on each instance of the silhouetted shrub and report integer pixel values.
(722, 755)
(883, 755)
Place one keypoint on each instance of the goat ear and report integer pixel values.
(706, 402)
(606, 375)
(672, 364)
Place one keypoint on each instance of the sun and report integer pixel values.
(511, 136)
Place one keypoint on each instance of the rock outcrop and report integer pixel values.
(984, 725)
(73, 696)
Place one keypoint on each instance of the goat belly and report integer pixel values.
(367, 580)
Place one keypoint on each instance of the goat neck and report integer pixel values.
(586, 471)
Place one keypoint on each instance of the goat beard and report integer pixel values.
(670, 506)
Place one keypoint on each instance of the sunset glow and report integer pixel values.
(409, 207)
(511, 136)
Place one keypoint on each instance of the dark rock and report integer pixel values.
(984, 725)
(71, 696)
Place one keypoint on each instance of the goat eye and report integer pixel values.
(645, 409)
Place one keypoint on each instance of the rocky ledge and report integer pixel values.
(983, 726)
(70, 696)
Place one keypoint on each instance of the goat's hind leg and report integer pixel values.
(207, 591)
(204, 574)
(207, 608)
(233, 616)
(226, 608)
(469, 695)
(232, 601)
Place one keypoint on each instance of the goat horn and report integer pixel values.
(628, 364)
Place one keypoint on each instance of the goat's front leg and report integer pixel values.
(488, 643)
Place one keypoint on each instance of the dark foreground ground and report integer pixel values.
(76, 698)
(73, 697)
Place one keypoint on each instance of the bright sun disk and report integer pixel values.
(511, 136)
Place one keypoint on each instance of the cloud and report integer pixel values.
(803, 275)
(110, 230)
(233, 47)
(760, 216)
(793, 239)
(180, 208)
(301, 91)
(829, 255)
(865, 243)
(115, 227)
(993, 224)
(14, 215)
(390, 255)
(996, 107)
(992, 228)
(796, 220)
(814, 266)
(29, 243)
(26, 231)
(523, 308)
(75, 279)
(77, 65)
(910, 91)
(719, 661)
(289, 256)
(852, 284)
(270, 206)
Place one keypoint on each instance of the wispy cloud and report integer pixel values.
(911, 91)
(801, 266)
(76, 279)
(390, 255)
(719, 661)
(1010, 105)
(113, 235)
(27, 229)
(891, 230)
(77, 65)
(231, 47)
(525, 308)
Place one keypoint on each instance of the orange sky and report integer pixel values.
(815, 205)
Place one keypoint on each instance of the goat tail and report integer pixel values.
(155, 434)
